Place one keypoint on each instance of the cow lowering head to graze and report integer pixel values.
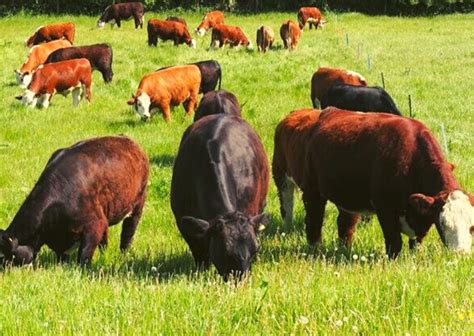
(218, 192)
(387, 164)
(99, 56)
(209, 21)
(217, 102)
(82, 191)
(37, 56)
(165, 88)
(61, 77)
(324, 78)
(51, 32)
(232, 35)
(265, 38)
(290, 34)
(312, 16)
(177, 19)
(115, 13)
(359, 98)
(168, 30)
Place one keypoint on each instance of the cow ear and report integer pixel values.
(7, 243)
(471, 230)
(260, 222)
(425, 205)
(20, 97)
(194, 228)
(131, 101)
(451, 166)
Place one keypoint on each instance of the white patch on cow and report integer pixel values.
(142, 106)
(250, 46)
(406, 229)
(100, 24)
(322, 23)
(25, 80)
(43, 101)
(112, 23)
(455, 220)
(201, 32)
(193, 43)
(312, 20)
(18, 76)
(355, 74)
(29, 98)
(76, 94)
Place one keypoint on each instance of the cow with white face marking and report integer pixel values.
(209, 21)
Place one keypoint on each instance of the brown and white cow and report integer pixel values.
(51, 32)
(311, 15)
(115, 13)
(165, 88)
(232, 35)
(61, 77)
(209, 21)
(169, 30)
(265, 38)
(290, 34)
(37, 56)
(324, 78)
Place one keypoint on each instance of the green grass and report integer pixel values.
(292, 289)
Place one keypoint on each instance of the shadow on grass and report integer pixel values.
(162, 160)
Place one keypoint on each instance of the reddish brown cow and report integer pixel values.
(290, 34)
(51, 32)
(387, 164)
(209, 21)
(324, 78)
(265, 38)
(61, 77)
(232, 35)
(165, 88)
(311, 15)
(169, 30)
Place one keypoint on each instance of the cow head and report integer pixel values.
(28, 98)
(12, 252)
(203, 27)
(322, 23)
(100, 24)
(232, 240)
(23, 79)
(192, 44)
(141, 104)
(452, 214)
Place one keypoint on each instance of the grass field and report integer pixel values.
(155, 288)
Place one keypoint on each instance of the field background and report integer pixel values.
(292, 289)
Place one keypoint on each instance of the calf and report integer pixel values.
(99, 56)
(217, 102)
(82, 191)
(265, 38)
(359, 98)
(113, 14)
(61, 77)
(37, 56)
(51, 32)
(290, 34)
(234, 36)
(218, 192)
(324, 78)
(311, 15)
(209, 21)
(390, 165)
(177, 19)
(168, 87)
(169, 30)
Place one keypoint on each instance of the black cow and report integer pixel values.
(177, 19)
(217, 102)
(359, 98)
(218, 192)
(82, 191)
(99, 56)
(113, 14)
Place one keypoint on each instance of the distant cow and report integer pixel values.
(209, 21)
(82, 191)
(61, 77)
(217, 102)
(290, 34)
(389, 165)
(99, 55)
(168, 30)
(165, 88)
(37, 56)
(265, 38)
(218, 192)
(312, 16)
(113, 14)
(324, 78)
(177, 19)
(51, 32)
(232, 35)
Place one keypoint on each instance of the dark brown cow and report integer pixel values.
(311, 15)
(265, 38)
(217, 102)
(177, 19)
(209, 21)
(62, 77)
(232, 35)
(82, 191)
(51, 32)
(324, 78)
(290, 34)
(168, 30)
(99, 55)
(218, 192)
(115, 13)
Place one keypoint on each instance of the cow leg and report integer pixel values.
(118, 23)
(166, 112)
(130, 224)
(190, 104)
(44, 100)
(346, 226)
(285, 194)
(314, 205)
(105, 240)
(136, 19)
(86, 88)
(391, 227)
(93, 234)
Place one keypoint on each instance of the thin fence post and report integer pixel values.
(383, 80)
(410, 106)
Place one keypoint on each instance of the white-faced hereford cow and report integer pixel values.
(290, 34)
(218, 192)
(61, 77)
(265, 38)
(115, 13)
(312, 16)
(217, 102)
(232, 35)
(51, 32)
(209, 21)
(82, 191)
(169, 30)
(99, 55)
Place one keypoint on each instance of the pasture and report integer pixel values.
(155, 287)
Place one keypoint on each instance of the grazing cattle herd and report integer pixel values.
(378, 162)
